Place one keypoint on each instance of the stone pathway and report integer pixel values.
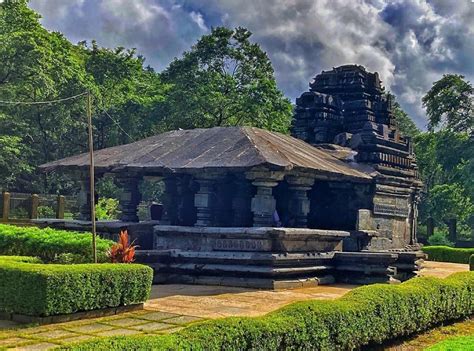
(132, 323)
(173, 306)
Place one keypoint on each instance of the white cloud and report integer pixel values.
(411, 43)
(199, 20)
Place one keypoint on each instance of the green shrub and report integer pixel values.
(366, 315)
(439, 238)
(51, 245)
(448, 254)
(456, 343)
(36, 289)
(471, 263)
(46, 212)
(107, 209)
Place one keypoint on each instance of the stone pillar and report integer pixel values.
(129, 197)
(34, 206)
(170, 201)
(204, 201)
(60, 207)
(299, 201)
(413, 218)
(84, 198)
(263, 203)
(186, 209)
(241, 203)
(5, 206)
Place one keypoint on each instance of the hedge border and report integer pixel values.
(366, 315)
(448, 254)
(51, 244)
(34, 289)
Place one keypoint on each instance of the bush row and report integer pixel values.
(51, 245)
(471, 263)
(448, 254)
(31, 288)
(366, 315)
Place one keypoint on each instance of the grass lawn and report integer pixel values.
(449, 337)
(457, 343)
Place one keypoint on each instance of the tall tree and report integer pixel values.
(38, 65)
(224, 80)
(405, 123)
(450, 104)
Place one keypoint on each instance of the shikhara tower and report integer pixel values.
(347, 110)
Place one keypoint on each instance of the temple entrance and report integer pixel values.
(334, 205)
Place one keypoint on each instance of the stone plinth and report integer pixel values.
(263, 257)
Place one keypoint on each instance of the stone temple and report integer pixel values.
(336, 201)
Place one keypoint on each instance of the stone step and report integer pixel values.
(244, 282)
(238, 270)
(231, 257)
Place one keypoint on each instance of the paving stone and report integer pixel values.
(158, 315)
(125, 322)
(12, 341)
(117, 332)
(53, 334)
(90, 328)
(183, 319)
(153, 326)
(77, 339)
(37, 347)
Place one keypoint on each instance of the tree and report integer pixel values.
(446, 163)
(38, 65)
(224, 80)
(450, 104)
(405, 123)
(449, 201)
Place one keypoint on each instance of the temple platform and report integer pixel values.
(268, 258)
(254, 257)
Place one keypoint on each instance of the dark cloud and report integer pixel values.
(411, 43)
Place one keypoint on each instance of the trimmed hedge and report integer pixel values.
(36, 289)
(471, 263)
(366, 315)
(51, 245)
(448, 254)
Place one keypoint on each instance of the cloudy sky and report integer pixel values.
(411, 43)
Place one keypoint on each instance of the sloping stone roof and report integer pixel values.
(231, 148)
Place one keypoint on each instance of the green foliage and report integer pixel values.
(38, 65)
(224, 80)
(471, 263)
(405, 123)
(453, 344)
(450, 104)
(366, 315)
(448, 254)
(51, 245)
(107, 209)
(13, 158)
(37, 289)
(440, 238)
(446, 163)
(46, 212)
(450, 201)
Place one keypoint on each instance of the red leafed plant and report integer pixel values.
(123, 251)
